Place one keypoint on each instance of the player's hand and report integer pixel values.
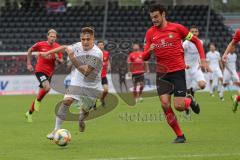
(187, 66)
(205, 65)
(224, 58)
(152, 46)
(58, 60)
(30, 67)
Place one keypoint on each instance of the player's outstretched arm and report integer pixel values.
(53, 51)
(203, 62)
(59, 59)
(231, 45)
(199, 46)
(84, 69)
(29, 60)
(148, 47)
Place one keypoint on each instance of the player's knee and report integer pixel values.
(46, 86)
(68, 101)
(105, 89)
(202, 85)
(165, 104)
(178, 106)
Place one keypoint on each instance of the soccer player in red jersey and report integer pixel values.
(230, 47)
(137, 67)
(105, 68)
(164, 39)
(44, 68)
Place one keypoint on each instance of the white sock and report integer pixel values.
(61, 116)
(220, 85)
(211, 88)
(221, 91)
(58, 123)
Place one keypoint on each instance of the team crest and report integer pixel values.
(170, 35)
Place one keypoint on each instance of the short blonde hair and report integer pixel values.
(88, 30)
(52, 31)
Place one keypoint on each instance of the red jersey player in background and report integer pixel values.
(44, 68)
(137, 67)
(165, 40)
(105, 69)
(230, 47)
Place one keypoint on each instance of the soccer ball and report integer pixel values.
(62, 137)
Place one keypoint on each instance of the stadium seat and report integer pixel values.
(25, 27)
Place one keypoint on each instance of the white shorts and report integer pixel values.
(216, 73)
(84, 92)
(85, 102)
(193, 76)
(228, 76)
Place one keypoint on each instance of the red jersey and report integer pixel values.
(45, 65)
(105, 63)
(236, 36)
(136, 61)
(168, 49)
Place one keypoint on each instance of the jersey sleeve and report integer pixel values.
(184, 32)
(35, 47)
(236, 36)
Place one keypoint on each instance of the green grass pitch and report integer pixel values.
(125, 133)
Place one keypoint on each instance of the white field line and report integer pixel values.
(173, 157)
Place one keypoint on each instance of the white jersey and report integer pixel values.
(231, 62)
(92, 57)
(191, 54)
(213, 58)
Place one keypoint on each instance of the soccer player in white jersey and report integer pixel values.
(194, 76)
(230, 73)
(231, 45)
(87, 59)
(216, 67)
